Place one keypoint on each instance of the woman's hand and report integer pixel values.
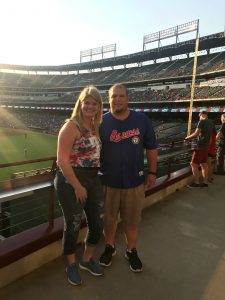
(81, 193)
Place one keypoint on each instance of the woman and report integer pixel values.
(77, 183)
(220, 138)
(211, 154)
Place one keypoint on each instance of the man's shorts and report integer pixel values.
(200, 156)
(126, 203)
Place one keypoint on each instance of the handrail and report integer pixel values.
(171, 152)
(11, 188)
(24, 162)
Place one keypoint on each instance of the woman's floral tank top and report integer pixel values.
(86, 151)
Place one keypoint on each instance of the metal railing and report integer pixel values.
(22, 185)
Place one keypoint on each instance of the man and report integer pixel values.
(200, 155)
(124, 134)
(221, 148)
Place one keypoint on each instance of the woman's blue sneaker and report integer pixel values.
(92, 267)
(73, 275)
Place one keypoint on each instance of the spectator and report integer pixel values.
(221, 148)
(200, 155)
(125, 133)
(211, 154)
(77, 183)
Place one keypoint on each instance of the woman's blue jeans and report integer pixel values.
(73, 210)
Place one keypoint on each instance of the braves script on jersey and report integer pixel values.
(117, 137)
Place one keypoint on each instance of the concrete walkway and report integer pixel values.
(181, 244)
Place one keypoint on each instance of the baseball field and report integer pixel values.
(21, 145)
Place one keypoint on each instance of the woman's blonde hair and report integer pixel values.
(223, 117)
(77, 112)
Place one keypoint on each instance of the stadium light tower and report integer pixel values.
(90, 53)
(170, 32)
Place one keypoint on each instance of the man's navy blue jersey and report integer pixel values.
(123, 143)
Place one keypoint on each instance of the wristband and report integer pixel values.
(151, 173)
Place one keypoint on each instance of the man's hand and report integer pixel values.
(151, 180)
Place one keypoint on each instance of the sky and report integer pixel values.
(54, 32)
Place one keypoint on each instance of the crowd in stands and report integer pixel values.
(50, 121)
(168, 69)
(173, 94)
(148, 94)
(46, 121)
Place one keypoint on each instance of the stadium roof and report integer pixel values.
(206, 42)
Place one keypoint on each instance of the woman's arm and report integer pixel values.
(68, 134)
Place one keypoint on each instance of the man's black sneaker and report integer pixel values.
(193, 185)
(106, 257)
(203, 184)
(134, 260)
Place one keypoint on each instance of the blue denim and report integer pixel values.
(73, 210)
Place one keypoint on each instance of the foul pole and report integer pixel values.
(193, 84)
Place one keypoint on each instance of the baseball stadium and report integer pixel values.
(182, 232)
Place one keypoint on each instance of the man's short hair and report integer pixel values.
(203, 112)
(120, 85)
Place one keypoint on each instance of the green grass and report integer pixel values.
(38, 145)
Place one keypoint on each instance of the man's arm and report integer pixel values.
(194, 134)
(151, 155)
